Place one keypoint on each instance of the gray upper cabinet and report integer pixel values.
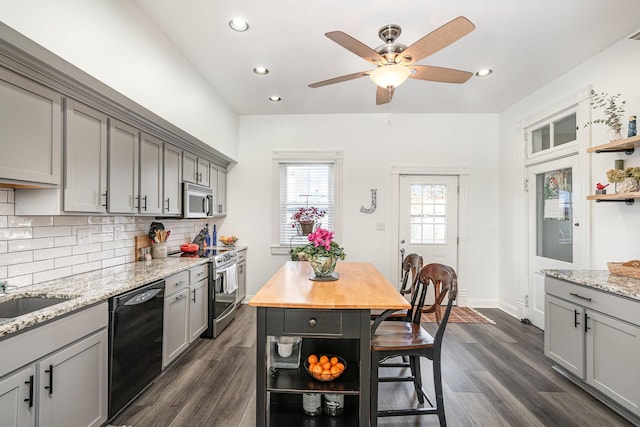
(172, 187)
(30, 131)
(124, 147)
(195, 169)
(85, 159)
(218, 181)
(151, 181)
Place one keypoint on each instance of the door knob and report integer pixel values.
(402, 241)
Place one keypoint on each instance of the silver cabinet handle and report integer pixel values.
(313, 322)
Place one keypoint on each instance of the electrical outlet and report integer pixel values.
(84, 236)
(117, 232)
(380, 226)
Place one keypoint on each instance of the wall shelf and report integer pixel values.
(626, 145)
(627, 198)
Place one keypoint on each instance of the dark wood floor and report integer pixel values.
(494, 375)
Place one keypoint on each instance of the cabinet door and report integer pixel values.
(73, 384)
(16, 398)
(150, 175)
(85, 179)
(197, 309)
(612, 349)
(213, 179)
(242, 282)
(124, 146)
(189, 167)
(203, 172)
(31, 124)
(564, 334)
(221, 194)
(172, 187)
(175, 337)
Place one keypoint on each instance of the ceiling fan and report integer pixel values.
(396, 62)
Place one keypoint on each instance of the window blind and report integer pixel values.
(305, 185)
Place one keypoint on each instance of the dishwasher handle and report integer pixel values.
(143, 297)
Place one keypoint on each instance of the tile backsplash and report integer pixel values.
(35, 249)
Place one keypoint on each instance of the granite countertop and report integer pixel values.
(602, 280)
(90, 288)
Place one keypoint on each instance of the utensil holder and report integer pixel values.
(159, 250)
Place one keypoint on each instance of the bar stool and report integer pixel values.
(409, 338)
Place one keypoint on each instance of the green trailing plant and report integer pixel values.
(614, 109)
(633, 172)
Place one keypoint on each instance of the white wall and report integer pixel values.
(371, 145)
(615, 227)
(113, 41)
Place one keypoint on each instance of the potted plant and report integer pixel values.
(613, 111)
(305, 218)
(321, 252)
(625, 180)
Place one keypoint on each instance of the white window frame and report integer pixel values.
(280, 157)
(554, 151)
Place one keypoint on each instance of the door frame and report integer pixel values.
(462, 172)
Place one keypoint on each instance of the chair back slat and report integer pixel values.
(445, 282)
(411, 266)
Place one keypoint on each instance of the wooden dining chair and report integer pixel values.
(411, 266)
(409, 338)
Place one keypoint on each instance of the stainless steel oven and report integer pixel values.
(197, 201)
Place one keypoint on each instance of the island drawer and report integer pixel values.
(310, 322)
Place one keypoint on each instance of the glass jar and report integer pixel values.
(333, 404)
(312, 403)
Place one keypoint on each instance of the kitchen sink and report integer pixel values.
(24, 305)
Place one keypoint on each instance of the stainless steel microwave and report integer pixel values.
(197, 201)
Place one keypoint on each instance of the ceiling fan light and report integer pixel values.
(390, 75)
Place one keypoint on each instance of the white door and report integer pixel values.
(428, 218)
(551, 204)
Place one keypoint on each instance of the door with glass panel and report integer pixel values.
(428, 223)
(551, 204)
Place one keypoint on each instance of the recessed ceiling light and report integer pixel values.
(260, 70)
(484, 72)
(239, 24)
(275, 98)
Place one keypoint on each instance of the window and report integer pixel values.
(428, 214)
(305, 179)
(558, 130)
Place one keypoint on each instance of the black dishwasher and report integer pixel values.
(135, 343)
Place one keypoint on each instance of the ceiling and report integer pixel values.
(527, 43)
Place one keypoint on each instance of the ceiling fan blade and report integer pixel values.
(439, 74)
(340, 79)
(356, 46)
(436, 40)
(383, 96)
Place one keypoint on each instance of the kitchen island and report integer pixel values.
(331, 317)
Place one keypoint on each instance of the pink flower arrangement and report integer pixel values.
(321, 237)
(320, 243)
(307, 214)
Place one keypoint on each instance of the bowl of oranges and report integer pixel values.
(325, 367)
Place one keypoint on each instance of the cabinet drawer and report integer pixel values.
(621, 307)
(305, 322)
(198, 273)
(176, 282)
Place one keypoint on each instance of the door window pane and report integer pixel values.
(554, 215)
(428, 214)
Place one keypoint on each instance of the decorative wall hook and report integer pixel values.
(372, 209)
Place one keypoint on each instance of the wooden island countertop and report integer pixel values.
(360, 286)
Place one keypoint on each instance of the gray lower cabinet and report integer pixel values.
(151, 179)
(172, 181)
(85, 163)
(595, 337)
(31, 124)
(175, 335)
(124, 149)
(242, 276)
(197, 309)
(56, 374)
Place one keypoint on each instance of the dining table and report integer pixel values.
(328, 317)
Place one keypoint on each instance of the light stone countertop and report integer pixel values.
(90, 288)
(602, 280)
